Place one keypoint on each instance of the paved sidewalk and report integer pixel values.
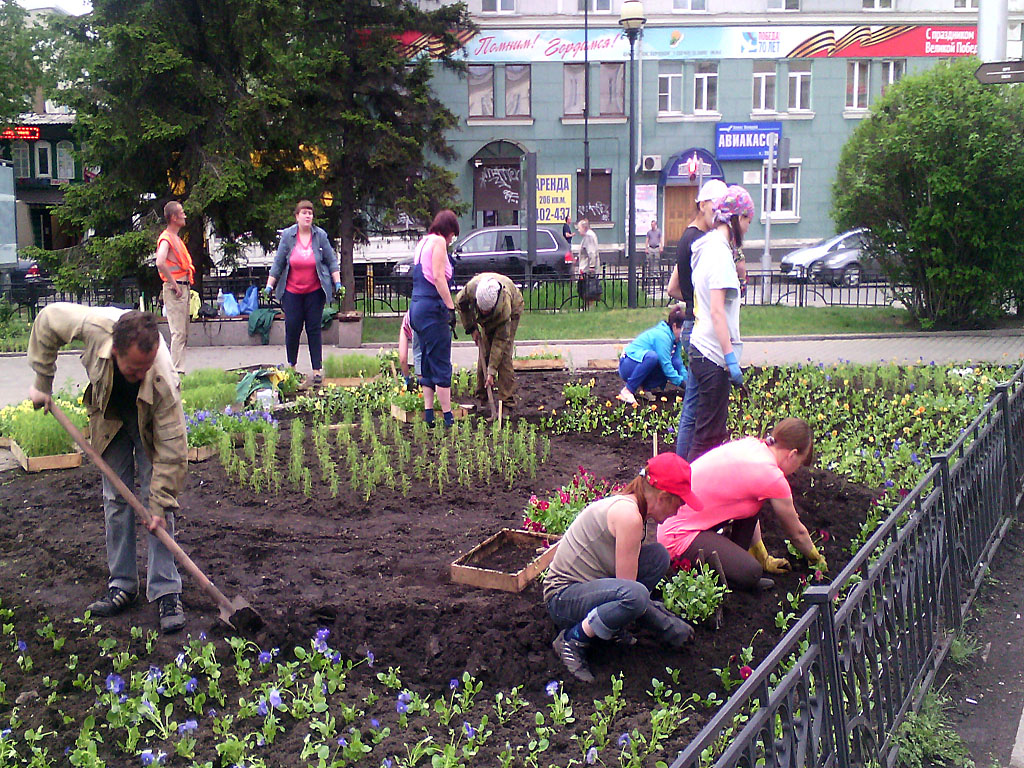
(991, 346)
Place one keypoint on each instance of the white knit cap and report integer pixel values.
(712, 190)
(487, 294)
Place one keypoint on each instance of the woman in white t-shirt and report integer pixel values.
(715, 344)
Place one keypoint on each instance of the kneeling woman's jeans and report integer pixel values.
(429, 319)
(611, 604)
(647, 374)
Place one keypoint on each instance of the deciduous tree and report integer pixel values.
(937, 174)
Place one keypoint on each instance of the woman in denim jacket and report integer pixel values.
(304, 272)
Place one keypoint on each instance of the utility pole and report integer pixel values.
(586, 111)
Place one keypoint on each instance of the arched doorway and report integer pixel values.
(497, 174)
(681, 185)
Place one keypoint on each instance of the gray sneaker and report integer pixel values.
(172, 615)
(573, 654)
(112, 603)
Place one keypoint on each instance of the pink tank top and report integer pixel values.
(425, 257)
(302, 276)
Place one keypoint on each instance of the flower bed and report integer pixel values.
(372, 569)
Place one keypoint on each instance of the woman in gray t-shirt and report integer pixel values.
(601, 578)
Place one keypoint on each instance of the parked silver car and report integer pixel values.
(804, 264)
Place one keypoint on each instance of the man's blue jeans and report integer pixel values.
(688, 413)
(611, 604)
(127, 457)
(646, 374)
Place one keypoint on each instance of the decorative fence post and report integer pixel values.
(821, 596)
(951, 595)
(1003, 395)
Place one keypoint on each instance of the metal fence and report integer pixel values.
(835, 689)
(545, 293)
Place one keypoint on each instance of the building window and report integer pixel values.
(613, 89)
(764, 86)
(22, 163)
(596, 6)
(481, 90)
(65, 160)
(799, 86)
(689, 5)
(670, 88)
(498, 6)
(574, 81)
(969, 5)
(705, 87)
(893, 71)
(44, 159)
(599, 207)
(517, 90)
(878, 5)
(783, 5)
(857, 83)
(786, 192)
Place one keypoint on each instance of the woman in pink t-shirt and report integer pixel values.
(733, 481)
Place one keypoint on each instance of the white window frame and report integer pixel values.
(469, 100)
(965, 5)
(686, 6)
(22, 157)
(758, 96)
(782, 5)
(499, 7)
(670, 89)
(889, 74)
(878, 5)
(791, 214)
(43, 146)
(701, 89)
(860, 70)
(802, 78)
(594, 6)
(567, 68)
(65, 160)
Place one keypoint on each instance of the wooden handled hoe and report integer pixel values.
(236, 613)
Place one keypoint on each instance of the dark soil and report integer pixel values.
(509, 557)
(376, 574)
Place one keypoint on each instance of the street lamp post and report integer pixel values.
(632, 21)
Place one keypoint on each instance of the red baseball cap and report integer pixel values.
(670, 473)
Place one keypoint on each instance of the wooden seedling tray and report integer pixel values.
(538, 364)
(603, 364)
(5, 442)
(41, 463)
(459, 412)
(200, 453)
(464, 571)
(349, 381)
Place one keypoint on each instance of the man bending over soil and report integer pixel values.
(136, 423)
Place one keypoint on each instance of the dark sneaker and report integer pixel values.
(172, 615)
(573, 654)
(765, 584)
(114, 602)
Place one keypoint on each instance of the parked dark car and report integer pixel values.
(502, 250)
(25, 283)
(850, 267)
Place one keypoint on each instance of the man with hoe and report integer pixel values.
(490, 306)
(136, 423)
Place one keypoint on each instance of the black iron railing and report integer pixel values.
(835, 689)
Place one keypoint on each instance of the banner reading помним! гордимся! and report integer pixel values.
(759, 42)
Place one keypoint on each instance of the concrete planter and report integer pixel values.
(344, 331)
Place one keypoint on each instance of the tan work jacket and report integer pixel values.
(497, 325)
(161, 419)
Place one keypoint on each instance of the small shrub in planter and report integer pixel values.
(694, 592)
(37, 433)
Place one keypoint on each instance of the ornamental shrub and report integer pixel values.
(694, 592)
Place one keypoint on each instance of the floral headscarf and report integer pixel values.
(735, 202)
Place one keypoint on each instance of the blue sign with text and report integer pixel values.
(745, 141)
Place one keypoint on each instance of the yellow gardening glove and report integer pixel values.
(817, 560)
(768, 563)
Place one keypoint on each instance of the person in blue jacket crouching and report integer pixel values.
(654, 357)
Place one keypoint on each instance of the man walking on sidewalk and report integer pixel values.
(174, 263)
(137, 424)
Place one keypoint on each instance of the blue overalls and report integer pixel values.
(428, 316)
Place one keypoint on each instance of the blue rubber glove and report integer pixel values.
(735, 374)
(268, 291)
(337, 288)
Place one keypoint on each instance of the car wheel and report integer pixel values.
(851, 275)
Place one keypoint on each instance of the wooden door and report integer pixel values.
(680, 207)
